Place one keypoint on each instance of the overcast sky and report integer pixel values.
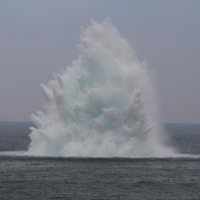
(39, 37)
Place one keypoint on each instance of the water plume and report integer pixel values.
(101, 106)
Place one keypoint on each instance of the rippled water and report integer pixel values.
(24, 177)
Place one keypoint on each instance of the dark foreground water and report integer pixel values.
(98, 178)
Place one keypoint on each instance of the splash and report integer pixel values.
(101, 106)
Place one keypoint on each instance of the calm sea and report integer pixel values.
(99, 178)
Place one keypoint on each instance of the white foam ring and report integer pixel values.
(102, 106)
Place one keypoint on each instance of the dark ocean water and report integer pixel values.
(99, 178)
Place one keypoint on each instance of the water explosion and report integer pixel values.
(102, 106)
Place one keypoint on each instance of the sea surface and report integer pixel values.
(23, 177)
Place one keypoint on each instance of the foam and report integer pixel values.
(102, 106)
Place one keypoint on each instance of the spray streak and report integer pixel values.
(101, 106)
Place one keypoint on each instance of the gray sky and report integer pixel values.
(39, 37)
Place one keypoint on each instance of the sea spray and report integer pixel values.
(101, 106)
